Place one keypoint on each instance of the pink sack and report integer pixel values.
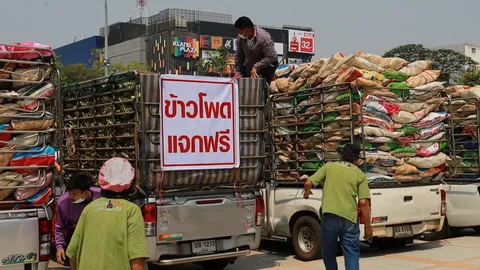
(44, 92)
(33, 179)
(29, 53)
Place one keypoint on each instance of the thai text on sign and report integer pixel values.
(199, 123)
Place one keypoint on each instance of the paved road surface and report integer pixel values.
(456, 253)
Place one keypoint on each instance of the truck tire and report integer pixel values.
(216, 264)
(477, 229)
(306, 238)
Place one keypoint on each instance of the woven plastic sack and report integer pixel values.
(314, 68)
(433, 171)
(5, 136)
(378, 132)
(41, 197)
(349, 75)
(9, 179)
(397, 88)
(403, 117)
(381, 158)
(26, 75)
(374, 113)
(406, 178)
(372, 75)
(415, 68)
(116, 175)
(423, 78)
(296, 72)
(362, 63)
(404, 152)
(395, 75)
(376, 177)
(40, 50)
(430, 131)
(327, 69)
(39, 157)
(429, 141)
(27, 140)
(373, 88)
(23, 124)
(6, 116)
(431, 150)
(404, 169)
(35, 179)
(377, 122)
(431, 119)
(394, 63)
(428, 162)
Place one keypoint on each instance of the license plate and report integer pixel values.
(206, 246)
(402, 231)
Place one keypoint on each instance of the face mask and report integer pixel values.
(242, 36)
(81, 200)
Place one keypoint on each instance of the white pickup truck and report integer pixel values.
(398, 214)
(463, 186)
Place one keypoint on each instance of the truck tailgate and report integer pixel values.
(400, 205)
(19, 233)
(205, 217)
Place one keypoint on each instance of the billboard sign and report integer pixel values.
(301, 41)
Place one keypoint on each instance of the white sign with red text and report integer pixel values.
(301, 41)
(199, 123)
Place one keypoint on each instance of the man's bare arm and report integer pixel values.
(73, 264)
(137, 264)
(364, 205)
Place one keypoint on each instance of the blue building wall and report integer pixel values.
(80, 51)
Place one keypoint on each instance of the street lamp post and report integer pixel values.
(106, 62)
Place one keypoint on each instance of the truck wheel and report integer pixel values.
(306, 239)
(216, 264)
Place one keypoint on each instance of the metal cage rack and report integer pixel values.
(463, 147)
(309, 126)
(32, 129)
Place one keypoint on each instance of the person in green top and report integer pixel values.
(343, 184)
(110, 234)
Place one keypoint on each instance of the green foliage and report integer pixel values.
(450, 62)
(215, 65)
(409, 52)
(471, 77)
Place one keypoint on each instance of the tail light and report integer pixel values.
(443, 205)
(259, 211)
(44, 235)
(149, 212)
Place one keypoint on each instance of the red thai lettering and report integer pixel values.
(220, 142)
(197, 109)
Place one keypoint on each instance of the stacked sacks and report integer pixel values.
(401, 124)
(464, 108)
(26, 123)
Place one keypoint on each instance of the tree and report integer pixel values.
(409, 52)
(215, 65)
(471, 77)
(451, 63)
(80, 72)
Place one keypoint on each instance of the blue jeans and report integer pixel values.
(334, 227)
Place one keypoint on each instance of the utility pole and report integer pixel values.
(106, 62)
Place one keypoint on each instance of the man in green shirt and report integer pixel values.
(343, 184)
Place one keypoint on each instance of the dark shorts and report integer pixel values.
(266, 73)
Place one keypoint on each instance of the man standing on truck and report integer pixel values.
(69, 208)
(343, 183)
(256, 56)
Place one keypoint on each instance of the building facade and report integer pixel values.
(80, 51)
(174, 40)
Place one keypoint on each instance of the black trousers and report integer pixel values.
(68, 238)
(267, 73)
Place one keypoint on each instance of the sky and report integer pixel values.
(346, 26)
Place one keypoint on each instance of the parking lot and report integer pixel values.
(462, 252)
